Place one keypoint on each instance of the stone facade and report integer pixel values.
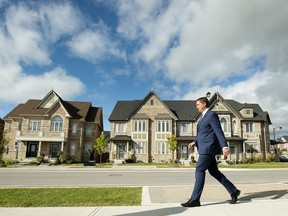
(139, 129)
(49, 126)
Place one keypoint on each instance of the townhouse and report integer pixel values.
(282, 144)
(139, 128)
(45, 127)
(2, 123)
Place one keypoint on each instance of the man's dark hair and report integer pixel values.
(203, 100)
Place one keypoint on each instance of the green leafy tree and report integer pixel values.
(100, 145)
(172, 142)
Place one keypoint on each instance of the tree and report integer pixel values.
(4, 140)
(172, 142)
(100, 145)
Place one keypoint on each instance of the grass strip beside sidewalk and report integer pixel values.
(70, 197)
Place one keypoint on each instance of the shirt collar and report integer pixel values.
(204, 112)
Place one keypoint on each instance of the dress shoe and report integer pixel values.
(234, 196)
(191, 203)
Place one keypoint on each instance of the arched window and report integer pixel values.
(223, 123)
(56, 123)
(234, 127)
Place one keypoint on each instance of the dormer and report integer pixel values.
(247, 112)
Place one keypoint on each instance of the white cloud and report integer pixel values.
(60, 19)
(23, 41)
(18, 86)
(94, 45)
(224, 36)
(154, 25)
(238, 48)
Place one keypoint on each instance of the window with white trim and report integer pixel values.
(74, 128)
(89, 129)
(140, 147)
(120, 127)
(139, 126)
(163, 148)
(56, 124)
(34, 125)
(184, 127)
(249, 127)
(223, 123)
(163, 126)
(73, 149)
(19, 126)
(234, 127)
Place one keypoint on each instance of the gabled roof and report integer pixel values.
(149, 95)
(122, 110)
(76, 110)
(185, 110)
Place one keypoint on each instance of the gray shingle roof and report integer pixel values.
(184, 110)
(77, 110)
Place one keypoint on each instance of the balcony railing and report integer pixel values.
(41, 136)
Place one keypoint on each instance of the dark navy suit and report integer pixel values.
(209, 141)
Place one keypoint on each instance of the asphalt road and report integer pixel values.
(98, 177)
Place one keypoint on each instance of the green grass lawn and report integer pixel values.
(258, 165)
(52, 197)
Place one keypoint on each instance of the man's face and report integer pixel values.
(200, 106)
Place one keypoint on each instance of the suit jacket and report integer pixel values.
(210, 137)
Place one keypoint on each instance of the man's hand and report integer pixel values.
(191, 145)
(226, 151)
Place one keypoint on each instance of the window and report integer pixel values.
(162, 148)
(73, 149)
(248, 112)
(183, 127)
(19, 126)
(139, 125)
(234, 127)
(152, 102)
(119, 127)
(56, 124)
(89, 129)
(9, 127)
(34, 125)
(74, 128)
(223, 123)
(249, 127)
(140, 147)
(163, 126)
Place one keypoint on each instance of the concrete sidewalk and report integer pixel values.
(255, 208)
(255, 199)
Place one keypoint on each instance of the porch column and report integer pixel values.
(244, 151)
(127, 151)
(39, 149)
(62, 146)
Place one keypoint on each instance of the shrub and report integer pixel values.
(40, 159)
(70, 159)
(270, 158)
(34, 163)
(129, 160)
(9, 162)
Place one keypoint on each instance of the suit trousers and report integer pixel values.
(208, 162)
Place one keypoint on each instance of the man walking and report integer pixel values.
(210, 141)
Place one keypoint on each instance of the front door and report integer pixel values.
(184, 151)
(121, 151)
(32, 149)
(55, 147)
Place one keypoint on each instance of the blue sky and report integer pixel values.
(108, 50)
